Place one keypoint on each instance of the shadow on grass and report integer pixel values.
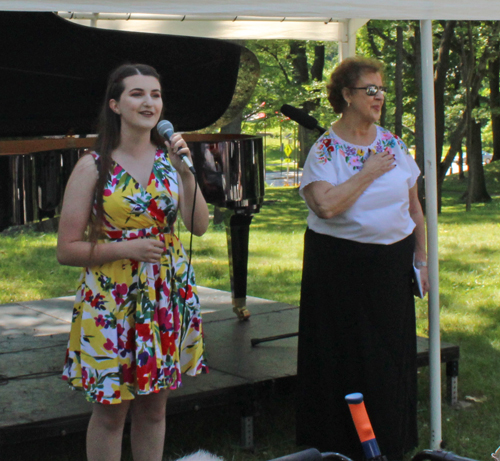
(454, 264)
(214, 251)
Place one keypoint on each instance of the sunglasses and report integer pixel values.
(372, 90)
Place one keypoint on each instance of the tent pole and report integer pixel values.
(432, 232)
(347, 42)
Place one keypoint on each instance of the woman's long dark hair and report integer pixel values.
(108, 138)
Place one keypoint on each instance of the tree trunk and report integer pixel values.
(307, 137)
(319, 63)
(455, 147)
(234, 126)
(419, 119)
(306, 140)
(473, 74)
(476, 190)
(441, 70)
(461, 174)
(494, 77)
(383, 114)
(398, 83)
(299, 61)
(372, 31)
(371, 34)
(476, 185)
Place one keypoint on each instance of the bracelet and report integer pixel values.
(420, 264)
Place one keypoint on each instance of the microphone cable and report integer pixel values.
(166, 130)
(190, 253)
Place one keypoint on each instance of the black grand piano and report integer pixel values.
(53, 77)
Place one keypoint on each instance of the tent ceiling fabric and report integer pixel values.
(382, 9)
(228, 30)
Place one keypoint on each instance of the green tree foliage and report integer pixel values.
(378, 39)
(466, 72)
(464, 51)
(288, 68)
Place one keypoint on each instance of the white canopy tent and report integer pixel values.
(299, 19)
(229, 9)
(229, 28)
(264, 19)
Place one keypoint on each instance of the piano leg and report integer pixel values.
(237, 229)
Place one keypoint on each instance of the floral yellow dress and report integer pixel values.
(136, 326)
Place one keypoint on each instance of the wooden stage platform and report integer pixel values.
(35, 403)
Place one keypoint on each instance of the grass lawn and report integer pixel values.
(470, 317)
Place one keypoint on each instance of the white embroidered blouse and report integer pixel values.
(381, 214)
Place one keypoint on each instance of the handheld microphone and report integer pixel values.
(364, 427)
(166, 129)
(301, 117)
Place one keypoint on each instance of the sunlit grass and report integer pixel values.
(29, 269)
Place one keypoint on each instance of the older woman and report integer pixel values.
(357, 313)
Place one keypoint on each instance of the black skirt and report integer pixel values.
(357, 333)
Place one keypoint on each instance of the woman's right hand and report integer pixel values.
(145, 250)
(378, 164)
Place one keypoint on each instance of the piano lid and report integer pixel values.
(54, 73)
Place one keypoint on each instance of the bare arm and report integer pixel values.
(417, 215)
(327, 201)
(187, 183)
(201, 217)
(72, 248)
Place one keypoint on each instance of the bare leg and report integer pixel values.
(148, 426)
(105, 431)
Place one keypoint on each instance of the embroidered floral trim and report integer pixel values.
(331, 145)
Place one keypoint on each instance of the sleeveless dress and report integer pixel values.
(136, 326)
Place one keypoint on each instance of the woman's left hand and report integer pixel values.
(176, 147)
